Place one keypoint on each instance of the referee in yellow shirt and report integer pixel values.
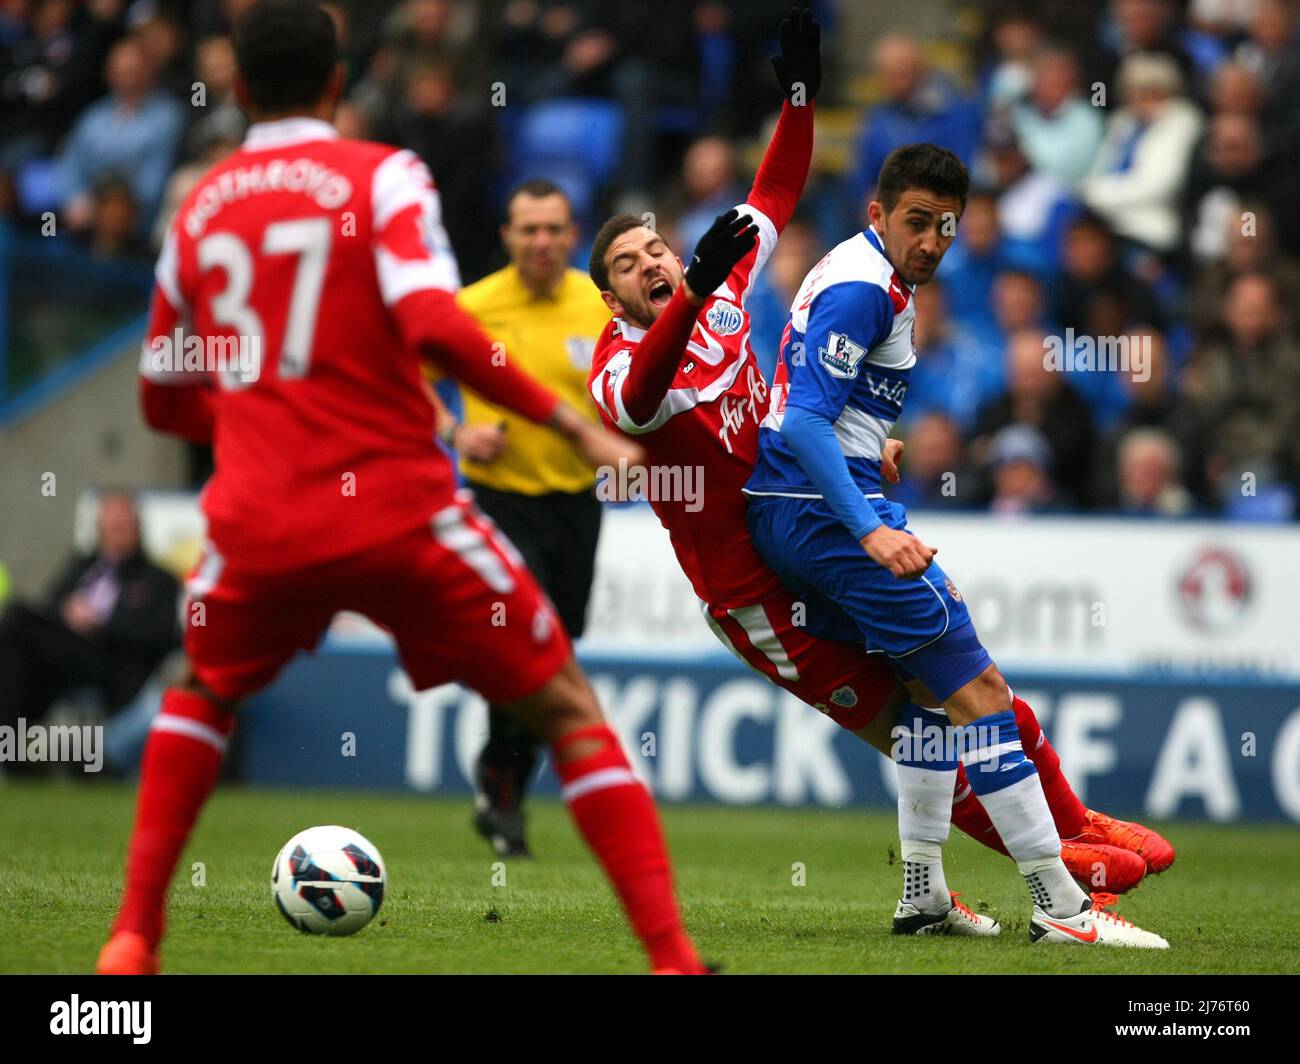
(525, 477)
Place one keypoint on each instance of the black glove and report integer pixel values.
(727, 241)
(800, 61)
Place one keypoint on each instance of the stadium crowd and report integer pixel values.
(1134, 171)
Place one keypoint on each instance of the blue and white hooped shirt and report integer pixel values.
(847, 354)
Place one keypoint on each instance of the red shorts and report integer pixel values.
(840, 679)
(455, 595)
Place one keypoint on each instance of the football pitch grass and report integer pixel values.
(1227, 905)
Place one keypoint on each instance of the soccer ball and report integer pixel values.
(328, 881)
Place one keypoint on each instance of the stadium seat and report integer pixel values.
(573, 141)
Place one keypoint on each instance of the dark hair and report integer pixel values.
(537, 188)
(606, 235)
(286, 51)
(924, 166)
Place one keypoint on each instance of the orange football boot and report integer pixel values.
(1107, 831)
(127, 953)
(1099, 867)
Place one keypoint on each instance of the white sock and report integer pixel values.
(924, 822)
(1053, 888)
(924, 884)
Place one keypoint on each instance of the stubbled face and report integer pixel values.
(917, 232)
(540, 237)
(643, 275)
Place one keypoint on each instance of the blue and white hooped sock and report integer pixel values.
(1007, 785)
(925, 753)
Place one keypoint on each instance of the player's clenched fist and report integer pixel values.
(724, 243)
(799, 66)
(900, 552)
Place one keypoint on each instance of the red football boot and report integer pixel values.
(1098, 867)
(127, 953)
(1107, 831)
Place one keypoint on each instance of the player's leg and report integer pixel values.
(505, 764)
(777, 638)
(923, 625)
(236, 640)
(467, 611)
(957, 669)
(1097, 862)
(181, 763)
(613, 810)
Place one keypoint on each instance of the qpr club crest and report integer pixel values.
(725, 319)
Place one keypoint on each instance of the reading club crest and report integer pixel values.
(725, 318)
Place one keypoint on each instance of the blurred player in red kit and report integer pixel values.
(674, 369)
(326, 259)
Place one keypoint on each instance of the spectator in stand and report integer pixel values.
(107, 622)
(1057, 127)
(1235, 88)
(643, 56)
(769, 303)
(457, 143)
(214, 67)
(934, 474)
(710, 186)
(920, 105)
(1274, 57)
(1148, 476)
(1144, 27)
(1250, 247)
(114, 233)
(210, 140)
(49, 72)
(1153, 404)
(1139, 172)
(162, 39)
(1043, 400)
(1016, 37)
(1017, 305)
(972, 265)
(1232, 165)
(134, 131)
(955, 373)
(1033, 207)
(1020, 463)
(1092, 267)
(1246, 386)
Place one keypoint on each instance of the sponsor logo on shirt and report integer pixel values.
(725, 318)
(841, 356)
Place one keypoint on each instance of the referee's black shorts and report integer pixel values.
(556, 533)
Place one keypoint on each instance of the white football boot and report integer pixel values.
(959, 920)
(1096, 925)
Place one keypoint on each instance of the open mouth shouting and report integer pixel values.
(660, 293)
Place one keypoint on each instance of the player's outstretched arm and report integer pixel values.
(784, 169)
(453, 341)
(660, 352)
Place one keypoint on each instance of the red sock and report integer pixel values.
(969, 816)
(181, 761)
(1069, 813)
(617, 817)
